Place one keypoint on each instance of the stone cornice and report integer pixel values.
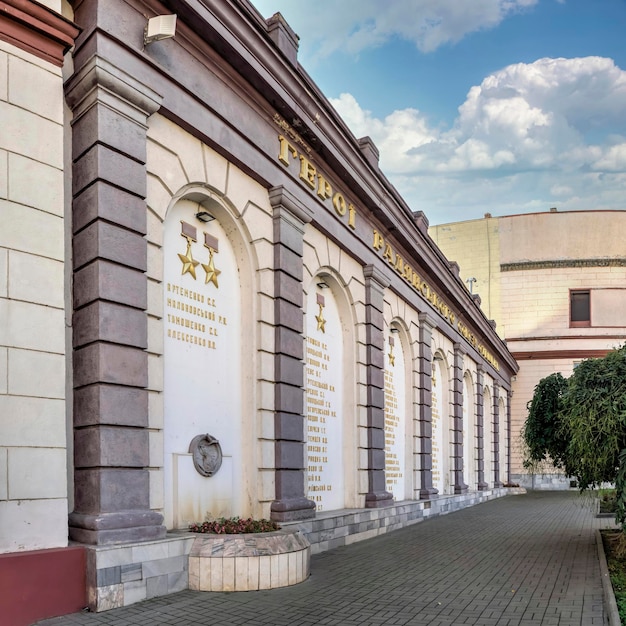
(36, 29)
(561, 263)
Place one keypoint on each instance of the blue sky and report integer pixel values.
(499, 106)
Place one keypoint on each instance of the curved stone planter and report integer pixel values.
(249, 562)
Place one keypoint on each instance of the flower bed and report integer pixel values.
(248, 561)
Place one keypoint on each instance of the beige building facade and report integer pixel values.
(555, 284)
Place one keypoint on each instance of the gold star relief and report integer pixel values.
(189, 264)
(211, 272)
(320, 320)
(392, 358)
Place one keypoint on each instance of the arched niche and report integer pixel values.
(503, 441)
(398, 422)
(488, 437)
(469, 433)
(442, 478)
(330, 433)
(208, 351)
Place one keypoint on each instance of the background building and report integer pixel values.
(555, 284)
(206, 308)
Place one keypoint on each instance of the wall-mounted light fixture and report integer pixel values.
(322, 285)
(394, 329)
(470, 281)
(159, 27)
(204, 216)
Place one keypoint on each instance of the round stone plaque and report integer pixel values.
(206, 453)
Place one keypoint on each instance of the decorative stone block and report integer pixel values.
(248, 562)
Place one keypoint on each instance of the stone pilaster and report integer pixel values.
(457, 420)
(375, 284)
(110, 363)
(509, 396)
(290, 219)
(496, 435)
(480, 428)
(427, 324)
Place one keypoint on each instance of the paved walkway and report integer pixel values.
(519, 560)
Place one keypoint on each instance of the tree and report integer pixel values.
(542, 432)
(580, 423)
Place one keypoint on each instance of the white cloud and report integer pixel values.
(529, 134)
(359, 24)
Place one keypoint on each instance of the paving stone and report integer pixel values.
(521, 560)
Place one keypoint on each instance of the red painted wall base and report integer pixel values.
(41, 584)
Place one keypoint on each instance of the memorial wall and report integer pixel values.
(239, 267)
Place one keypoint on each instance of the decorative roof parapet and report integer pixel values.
(284, 37)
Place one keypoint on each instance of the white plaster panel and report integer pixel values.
(155, 229)
(241, 189)
(4, 172)
(264, 249)
(36, 279)
(4, 485)
(4, 371)
(155, 373)
(33, 524)
(259, 223)
(156, 488)
(167, 166)
(266, 419)
(216, 169)
(35, 89)
(155, 409)
(36, 374)
(35, 184)
(266, 366)
(4, 60)
(31, 135)
(155, 298)
(27, 56)
(31, 327)
(155, 335)
(19, 228)
(266, 395)
(155, 439)
(158, 196)
(268, 453)
(188, 149)
(363, 479)
(266, 308)
(267, 486)
(32, 422)
(266, 282)
(267, 337)
(155, 262)
(37, 473)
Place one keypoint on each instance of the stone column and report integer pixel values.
(375, 284)
(111, 452)
(427, 324)
(290, 218)
(457, 420)
(480, 428)
(496, 435)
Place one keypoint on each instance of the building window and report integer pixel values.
(580, 308)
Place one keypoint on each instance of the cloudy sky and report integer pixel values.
(500, 106)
